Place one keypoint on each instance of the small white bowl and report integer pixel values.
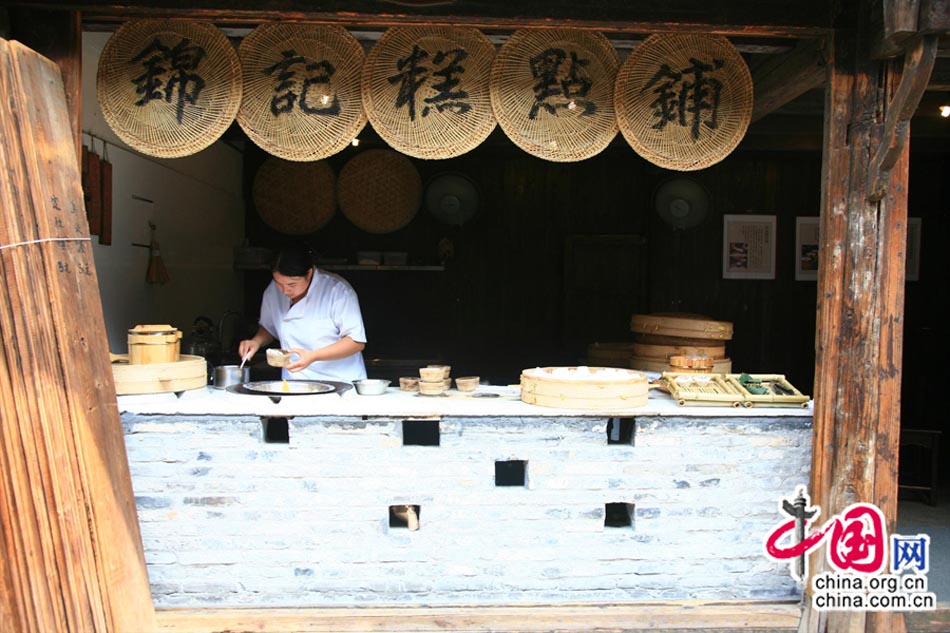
(371, 386)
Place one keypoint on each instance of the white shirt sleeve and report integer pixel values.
(346, 314)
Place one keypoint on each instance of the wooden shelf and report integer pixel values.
(352, 267)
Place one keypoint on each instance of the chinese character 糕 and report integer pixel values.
(170, 70)
(314, 73)
(684, 97)
(413, 74)
(554, 81)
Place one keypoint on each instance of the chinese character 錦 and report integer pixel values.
(175, 68)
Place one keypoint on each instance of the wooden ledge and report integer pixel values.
(680, 615)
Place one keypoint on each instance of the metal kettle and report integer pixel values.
(203, 340)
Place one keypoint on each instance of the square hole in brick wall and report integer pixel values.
(276, 430)
(511, 473)
(621, 431)
(420, 433)
(619, 515)
(404, 516)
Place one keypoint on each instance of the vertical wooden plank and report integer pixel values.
(72, 538)
(57, 35)
(859, 323)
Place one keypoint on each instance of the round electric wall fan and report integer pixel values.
(452, 198)
(681, 202)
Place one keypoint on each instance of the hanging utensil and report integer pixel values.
(105, 197)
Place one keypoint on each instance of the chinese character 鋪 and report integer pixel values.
(170, 72)
(689, 96)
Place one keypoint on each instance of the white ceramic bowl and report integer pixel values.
(371, 386)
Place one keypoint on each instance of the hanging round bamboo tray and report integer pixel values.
(168, 88)
(379, 191)
(294, 198)
(302, 98)
(426, 89)
(188, 372)
(552, 92)
(684, 101)
(689, 326)
(542, 386)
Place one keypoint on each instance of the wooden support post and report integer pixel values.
(860, 312)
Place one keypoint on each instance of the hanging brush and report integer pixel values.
(156, 272)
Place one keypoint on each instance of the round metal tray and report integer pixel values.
(288, 387)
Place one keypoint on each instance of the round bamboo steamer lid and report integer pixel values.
(188, 372)
(610, 354)
(720, 365)
(692, 326)
(666, 351)
(540, 387)
(154, 344)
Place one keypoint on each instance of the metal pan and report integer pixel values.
(289, 387)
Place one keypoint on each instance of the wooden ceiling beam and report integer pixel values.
(787, 77)
(807, 18)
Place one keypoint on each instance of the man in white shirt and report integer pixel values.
(316, 316)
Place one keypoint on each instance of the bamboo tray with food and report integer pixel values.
(735, 390)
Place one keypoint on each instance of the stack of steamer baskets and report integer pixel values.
(680, 342)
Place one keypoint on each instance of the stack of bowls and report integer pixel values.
(434, 379)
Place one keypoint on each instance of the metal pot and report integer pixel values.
(227, 375)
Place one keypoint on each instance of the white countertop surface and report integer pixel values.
(396, 403)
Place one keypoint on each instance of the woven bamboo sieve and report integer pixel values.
(426, 89)
(676, 116)
(295, 198)
(379, 191)
(168, 88)
(552, 92)
(302, 97)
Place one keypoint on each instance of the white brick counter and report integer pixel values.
(230, 519)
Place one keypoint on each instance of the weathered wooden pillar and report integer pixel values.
(860, 299)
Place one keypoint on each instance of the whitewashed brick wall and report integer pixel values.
(227, 519)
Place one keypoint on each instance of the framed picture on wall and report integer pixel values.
(913, 248)
(748, 247)
(806, 248)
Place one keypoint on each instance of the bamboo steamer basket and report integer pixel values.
(541, 387)
(720, 365)
(154, 344)
(684, 325)
(188, 372)
(662, 352)
(691, 364)
(610, 354)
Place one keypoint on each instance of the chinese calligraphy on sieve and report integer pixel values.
(443, 77)
(292, 90)
(687, 97)
(170, 71)
(560, 87)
